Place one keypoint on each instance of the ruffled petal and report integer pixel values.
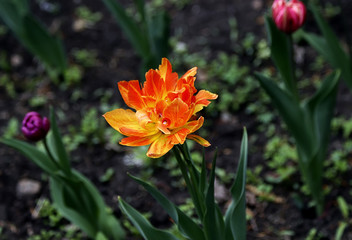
(126, 122)
(160, 146)
(165, 71)
(135, 141)
(202, 99)
(177, 113)
(154, 85)
(132, 94)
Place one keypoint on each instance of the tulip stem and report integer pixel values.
(190, 179)
(293, 85)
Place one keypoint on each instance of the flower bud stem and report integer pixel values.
(293, 84)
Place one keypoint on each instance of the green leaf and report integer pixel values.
(341, 228)
(80, 202)
(159, 33)
(101, 236)
(185, 224)
(57, 190)
(344, 208)
(321, 106)
(57, 147)
(39, 158)
(281, 53)
(213, 219)
(235, 217)
(333, 52)
(11, 15)
(47, 47)
(142, 224)
(137, 36)
(32, 34)
(291, 113)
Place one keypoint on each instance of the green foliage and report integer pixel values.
(109, 173)
(149, 36)
(280, 153)
(84, 13)
(72, 76)
(12, 128)
(9, 85)
(85, 57)
(32, 34)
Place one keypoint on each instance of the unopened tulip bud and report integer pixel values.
(34, 127)
(288, 15)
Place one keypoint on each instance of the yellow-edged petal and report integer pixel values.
(126, 122)
(160, 146)
(199, 140)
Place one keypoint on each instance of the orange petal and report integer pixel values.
(165, 71)
(177, 112)
(154, 85)
(136, 141)
(191, 72)
(202, 99)
(126, 122)
(132, 94)
(179, 137)
(199, 140)
(160, 146)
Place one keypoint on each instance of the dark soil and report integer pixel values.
(202, 24)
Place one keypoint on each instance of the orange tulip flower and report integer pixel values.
(165, 110)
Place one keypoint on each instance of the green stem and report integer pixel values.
(190, 182)
(293, 81)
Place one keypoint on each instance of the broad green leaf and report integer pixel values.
(57, 194)
(336, 55)
(322, 105)
(235, 217)
(136, 35)
(142, 224)
(213, 221)
(291, 113)
(32, 34)
(78, 199)
(185, 224)
(107, 223)
(57, 147)
(39, 158)
(282, 54)
(101, 236)
(47, 47)
(321, 109)
(12, 16)
(159, 33)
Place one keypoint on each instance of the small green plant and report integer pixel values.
(5, 81)
(345, 209)
(279, 154)
(84, 13)
(72, 75)
(12, 128)
(85, 57)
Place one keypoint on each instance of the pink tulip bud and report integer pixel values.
(288, 15)
(34, 127)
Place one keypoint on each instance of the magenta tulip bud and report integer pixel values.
(34, 127)
(288, 15)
